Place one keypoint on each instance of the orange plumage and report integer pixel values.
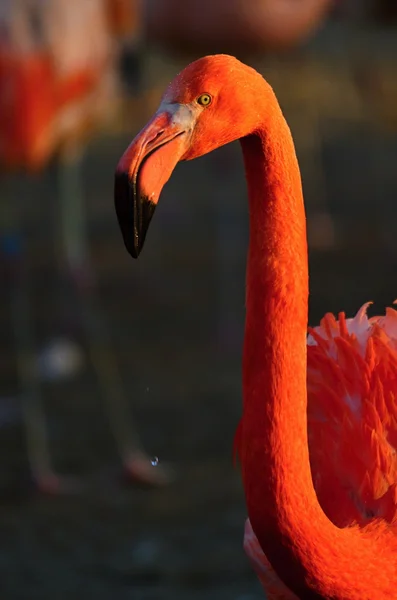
(352, 410)
(352, 423)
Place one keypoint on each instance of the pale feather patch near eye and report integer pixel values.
(275, 589)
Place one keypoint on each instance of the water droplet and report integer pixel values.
(155, 461)
(147, 389)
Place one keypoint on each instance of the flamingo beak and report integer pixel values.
(146, 166)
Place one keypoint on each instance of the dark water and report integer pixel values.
(176, 317)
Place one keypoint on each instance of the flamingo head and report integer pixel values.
(212, 102)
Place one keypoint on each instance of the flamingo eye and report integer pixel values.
(204, 100)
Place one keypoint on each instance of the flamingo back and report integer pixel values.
(352, 416)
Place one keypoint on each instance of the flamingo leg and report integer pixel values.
(137, 464)
(22, 326)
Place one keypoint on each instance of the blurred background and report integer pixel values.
(120, 386)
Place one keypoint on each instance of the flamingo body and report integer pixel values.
(352, 418)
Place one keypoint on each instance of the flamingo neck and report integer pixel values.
(307, 551)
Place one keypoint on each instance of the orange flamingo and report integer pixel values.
(318, 435)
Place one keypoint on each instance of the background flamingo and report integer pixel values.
(336, 538)
(59, 85)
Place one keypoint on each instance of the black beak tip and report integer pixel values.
(134, 213)
(135, 248)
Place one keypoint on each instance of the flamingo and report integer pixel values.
(318, 434)
(65, 50)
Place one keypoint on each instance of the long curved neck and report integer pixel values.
(312, 556)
